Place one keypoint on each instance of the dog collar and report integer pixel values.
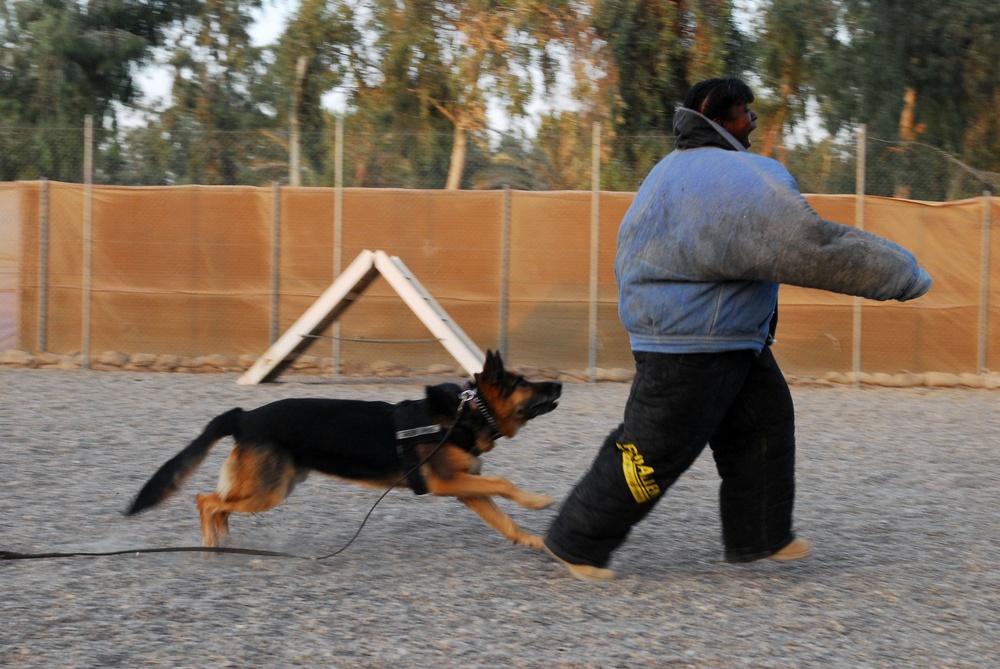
(470, 397)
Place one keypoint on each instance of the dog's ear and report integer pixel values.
(493, 367)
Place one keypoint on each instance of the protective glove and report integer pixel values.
(921, 284)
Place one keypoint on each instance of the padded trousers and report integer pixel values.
(736, 402)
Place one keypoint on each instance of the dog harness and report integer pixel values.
(415, 425)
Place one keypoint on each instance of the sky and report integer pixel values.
(270, 21)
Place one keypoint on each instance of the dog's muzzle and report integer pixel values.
(549, 393)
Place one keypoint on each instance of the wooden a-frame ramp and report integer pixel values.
(341, 294)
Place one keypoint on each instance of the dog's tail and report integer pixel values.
(168, 478)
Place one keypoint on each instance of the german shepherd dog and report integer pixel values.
(432, 444)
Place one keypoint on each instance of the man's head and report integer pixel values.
(727, 102)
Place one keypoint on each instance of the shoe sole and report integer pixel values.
(583, 572)
(801, 549)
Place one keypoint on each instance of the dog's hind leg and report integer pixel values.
(207, 515)
(253, 479)
(500, 521)
(221, 521)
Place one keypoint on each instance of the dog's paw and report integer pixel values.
(536, 500)
(530, 540)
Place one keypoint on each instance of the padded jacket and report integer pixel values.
(713, 231)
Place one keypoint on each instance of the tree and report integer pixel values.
(62, 61)
(658, 51)
(919, 72)
(562, 151)
(214, 121)
(323, 34)
(796, 37)
(455, 58)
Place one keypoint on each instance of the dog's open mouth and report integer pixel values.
(540, 408)
(543, 405)
(536, 410)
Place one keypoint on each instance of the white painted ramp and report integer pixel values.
(430, 313)
(346, 290)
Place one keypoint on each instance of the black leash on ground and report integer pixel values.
(465, 397)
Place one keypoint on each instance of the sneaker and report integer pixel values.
(798, 549)
(584, 572)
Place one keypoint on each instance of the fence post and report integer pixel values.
(504, 271)
(88, 233)
(859, 223)
(338, 229)
(984, 284)
(275, 258)
(595, 223)
(43, 266)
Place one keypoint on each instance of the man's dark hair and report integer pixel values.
(715, 98)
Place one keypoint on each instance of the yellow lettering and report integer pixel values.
(638, 475)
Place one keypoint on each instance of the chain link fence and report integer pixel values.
(555, 160)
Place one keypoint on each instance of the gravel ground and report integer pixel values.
(898, 489)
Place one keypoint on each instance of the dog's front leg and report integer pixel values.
(500, 521)
(462, 484)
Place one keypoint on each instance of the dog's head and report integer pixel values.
(512, 399)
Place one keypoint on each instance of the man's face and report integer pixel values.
(742, 121)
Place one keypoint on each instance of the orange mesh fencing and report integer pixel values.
(196, 270)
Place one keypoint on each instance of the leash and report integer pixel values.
(13, 555)
(464, 397)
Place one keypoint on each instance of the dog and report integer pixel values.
(429, 445)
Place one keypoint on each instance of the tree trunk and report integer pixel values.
(457, 165)
(773, 134)
(776, 125)
(907, 133)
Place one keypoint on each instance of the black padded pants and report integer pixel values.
(736, 402)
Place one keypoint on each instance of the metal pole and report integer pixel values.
(275, 259)
(43, 266)
(504, 271)
(595, 224)
(88, 236)
(338, 226)
(984, 284)
(859, 223)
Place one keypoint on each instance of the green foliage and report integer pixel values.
(562, 153)
(943, 55)
(213, 117)
(62, 61)
(824, 166)
(417, 78)
(448, 60)
(796, 38)
(658, 50)
(325, 34)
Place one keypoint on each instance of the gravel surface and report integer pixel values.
(898, 489)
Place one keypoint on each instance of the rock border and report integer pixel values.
(112, 361)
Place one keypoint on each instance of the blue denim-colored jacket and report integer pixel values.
(711, 233)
